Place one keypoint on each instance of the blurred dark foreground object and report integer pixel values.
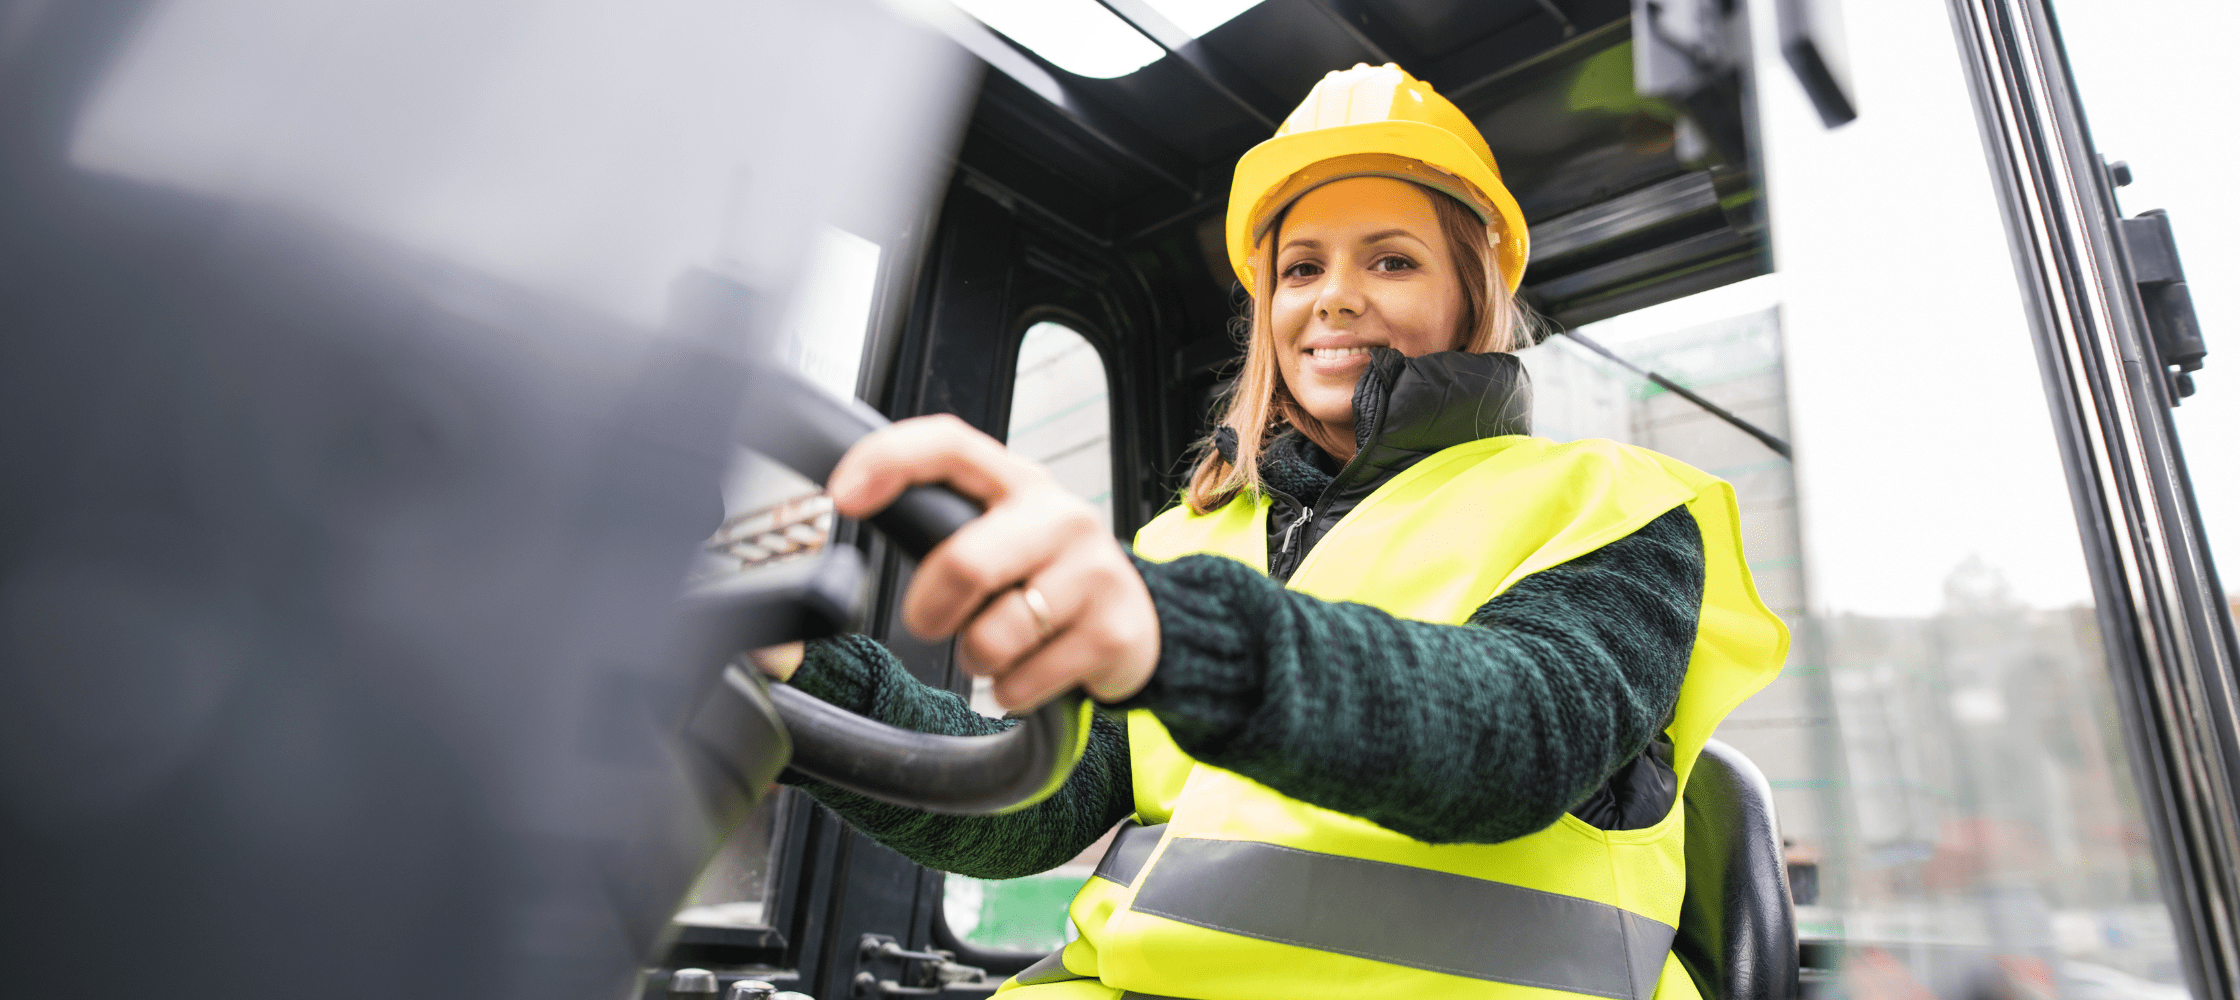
(355, 439)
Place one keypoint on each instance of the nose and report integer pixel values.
(1341, 296)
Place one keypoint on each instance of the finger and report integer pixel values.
(1010, 543)
(935, 449)
(1085, 654)
(1106, 639)
(1006, 630)
(780, 661)
(1050, 671)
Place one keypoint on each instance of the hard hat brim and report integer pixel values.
(1262, 187)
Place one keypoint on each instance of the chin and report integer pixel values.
(1328, 400)
(1337, 412)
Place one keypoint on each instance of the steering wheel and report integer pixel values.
(805, 428)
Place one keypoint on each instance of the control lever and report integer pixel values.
(801, 426)
(940, 967)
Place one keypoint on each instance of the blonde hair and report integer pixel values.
(1259, 406)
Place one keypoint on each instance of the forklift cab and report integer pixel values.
(372, 366)
(1071, 296)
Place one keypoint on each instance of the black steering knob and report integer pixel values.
(801, 426)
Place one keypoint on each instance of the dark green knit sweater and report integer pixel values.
(1472, 733)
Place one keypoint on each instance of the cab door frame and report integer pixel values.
(2164, 621)
(957, 302)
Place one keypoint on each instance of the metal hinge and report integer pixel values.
(921, 973)
(2176, 332)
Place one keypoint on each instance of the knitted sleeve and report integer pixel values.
(860, 675)
(1471, 733)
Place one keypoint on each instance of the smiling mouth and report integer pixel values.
(1334, 353)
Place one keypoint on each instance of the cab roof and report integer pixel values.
(1143, 160)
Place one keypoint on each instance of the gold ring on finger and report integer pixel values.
(1040, 609)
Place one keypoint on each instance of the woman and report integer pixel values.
(1411, 694)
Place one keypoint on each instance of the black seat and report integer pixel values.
(1738, 927)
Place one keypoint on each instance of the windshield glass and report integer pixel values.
(1955, 791)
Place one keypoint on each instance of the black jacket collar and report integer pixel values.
(1404, 410)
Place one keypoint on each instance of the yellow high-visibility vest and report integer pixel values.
(1225, 889)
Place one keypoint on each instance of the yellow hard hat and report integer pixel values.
(1372, 121)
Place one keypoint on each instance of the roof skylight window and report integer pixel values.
(1078, 36)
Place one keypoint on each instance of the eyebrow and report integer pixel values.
(1375, 237)
(1386, 234)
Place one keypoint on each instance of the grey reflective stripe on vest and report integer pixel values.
(1051, 969)
(1407, 916)
(1131, 847)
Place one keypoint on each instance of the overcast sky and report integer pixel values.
(2155, 75)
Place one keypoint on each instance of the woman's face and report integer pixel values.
(1360, 263)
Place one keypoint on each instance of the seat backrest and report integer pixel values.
(1738, 927)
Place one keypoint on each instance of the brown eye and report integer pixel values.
(1303, 269)
(1392, 263)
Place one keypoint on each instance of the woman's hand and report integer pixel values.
(780, 661)
(1095, 627)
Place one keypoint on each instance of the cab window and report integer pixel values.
(1942, 743)
(1060, 417)
(1061, 414)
